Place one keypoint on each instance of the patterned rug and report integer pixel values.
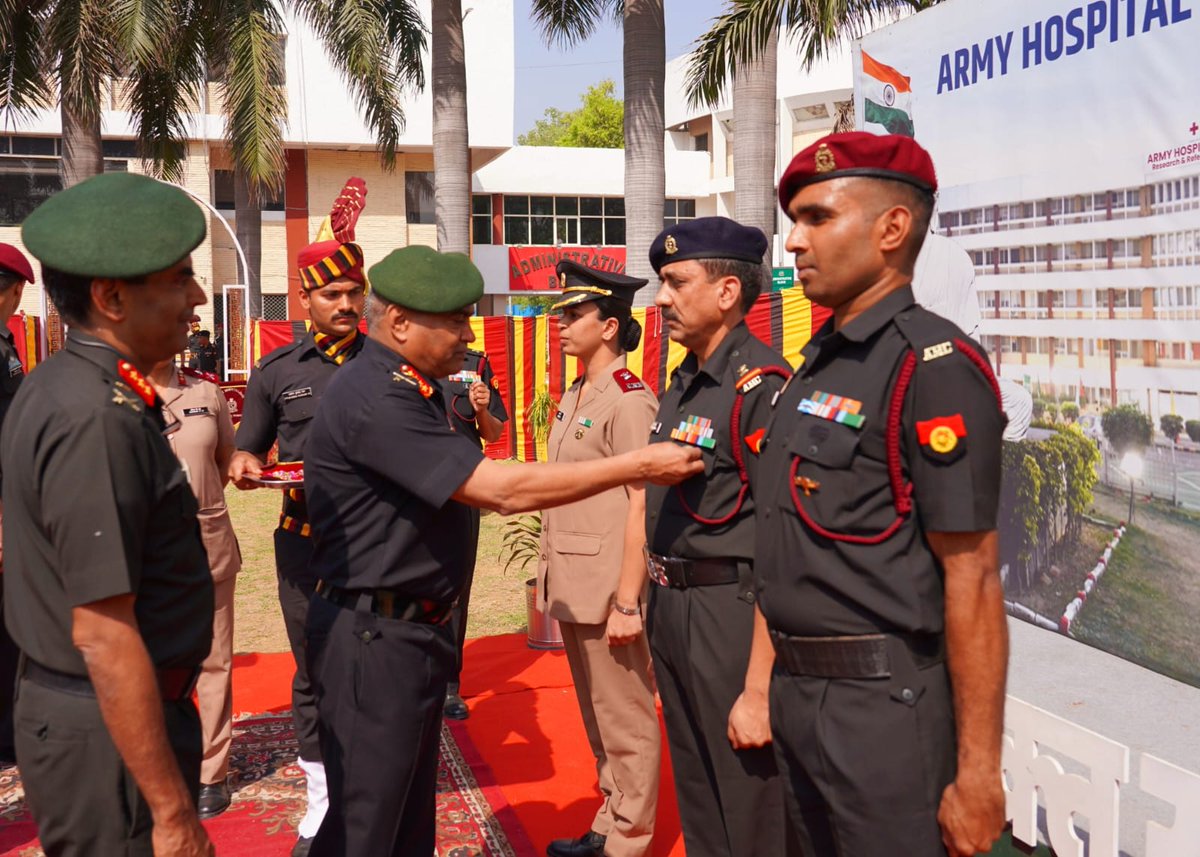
(268, 800)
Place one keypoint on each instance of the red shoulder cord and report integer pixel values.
(901, 489)
(739, 458)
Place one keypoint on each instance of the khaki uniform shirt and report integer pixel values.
(203, 428)
(583, 542)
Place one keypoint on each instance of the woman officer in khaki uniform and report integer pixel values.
(592, 574)
(202, 439)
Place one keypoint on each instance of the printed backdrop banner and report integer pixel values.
(527, 357)
(1066, 137)
(532, 268)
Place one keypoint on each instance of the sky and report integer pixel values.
(555, 77)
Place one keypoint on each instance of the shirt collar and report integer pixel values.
(94, 350)
(714, 367)
(874, 318)
(606, 377)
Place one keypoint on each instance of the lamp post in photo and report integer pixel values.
(1133, 466)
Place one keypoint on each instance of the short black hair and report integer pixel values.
(71, 294)
(8, 279)
(629, 331)
(752, 276)
(917, 200)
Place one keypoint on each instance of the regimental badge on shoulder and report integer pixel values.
(137, 382)
(123, 395)
(823, 160)
(941, 438)
(748, 380)
(933, 352)
(412, 377)
(627, 381)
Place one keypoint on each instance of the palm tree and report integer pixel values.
(451, 154)
(645, 56)
(742, 43)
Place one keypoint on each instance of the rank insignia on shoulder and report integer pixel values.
(755, 440)
(131, 376)
(412, 377)
(627, 381)
(696, 431)
(942, 435)
(933, 352)
(123, 395)
(749, 380)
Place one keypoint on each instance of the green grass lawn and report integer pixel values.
(497, 598)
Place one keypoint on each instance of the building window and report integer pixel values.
(274, 307)
(224, 194)
(31, 171)
(677, 210)
(547, 220)
(418, 197)
(481, 219)
(700, 143)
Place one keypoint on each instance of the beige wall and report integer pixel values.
(381, 226)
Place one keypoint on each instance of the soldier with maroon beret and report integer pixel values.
(876, 557)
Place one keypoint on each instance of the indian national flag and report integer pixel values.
(887, 99)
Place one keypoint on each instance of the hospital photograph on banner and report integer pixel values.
(1067, 142)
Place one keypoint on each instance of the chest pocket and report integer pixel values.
(578, 544)
(824, 442)
(299, 409)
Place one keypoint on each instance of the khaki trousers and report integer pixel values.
(616, 699)
(214, 689)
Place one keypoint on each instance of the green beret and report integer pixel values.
(119, 225)
(423, 279)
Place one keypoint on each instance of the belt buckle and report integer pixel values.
(655, 568)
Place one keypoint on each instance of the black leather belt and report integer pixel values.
(387, 604)
(174, 683)
(679, 573)
(865, 656)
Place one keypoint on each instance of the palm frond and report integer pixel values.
(378, 46)
(734, 37)
(818, 26)
(82, 36)
(255, 105)
(139, 25)
(24, 82)
(564, 23)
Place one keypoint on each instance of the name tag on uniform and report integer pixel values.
(14, 367)
(292, 395)
(559, 416)
(196, 412)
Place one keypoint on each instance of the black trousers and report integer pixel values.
(81, 795)
(380, 685)
(458, 616)
(296, 587)
(864, 770)
(730, 801)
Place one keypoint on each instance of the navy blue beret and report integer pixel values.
(708, 238)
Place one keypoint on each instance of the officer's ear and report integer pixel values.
(729, 293)
(611, 327)
(893, 228)
(108, 298)
(304, 298)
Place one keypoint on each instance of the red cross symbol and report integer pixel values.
(1194, 129)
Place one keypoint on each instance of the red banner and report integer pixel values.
(532, 268)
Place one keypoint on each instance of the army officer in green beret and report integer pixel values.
(107, 587)
(389, 483)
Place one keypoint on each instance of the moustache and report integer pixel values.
(669, 315)
(346, 316)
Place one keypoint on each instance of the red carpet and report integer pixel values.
(517, 774)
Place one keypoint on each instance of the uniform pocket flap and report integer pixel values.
(583, 544)
(824, 442)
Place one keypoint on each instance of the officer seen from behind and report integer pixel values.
(877, 554)
(107, 588)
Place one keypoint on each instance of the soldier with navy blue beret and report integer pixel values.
(15, 272)
(476, 411)
(388, 482)
(876, 559)
(700, 541)
(107, 586)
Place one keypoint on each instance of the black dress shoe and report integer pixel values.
(302, 847)
(214, 800)
(591, 844)
(454, 708)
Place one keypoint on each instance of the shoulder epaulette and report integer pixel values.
(748, 378)
(408, 375)
(281, 351)
(132, 389)
(627, 381)
(196, 373)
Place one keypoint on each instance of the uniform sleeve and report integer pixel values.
(952, 438)
(496, 402)
(97, 496)
(756, 412)
(257, 431)
(631, 421)
(408, 441)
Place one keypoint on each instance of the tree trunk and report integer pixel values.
(645, 56)
(754, 99)
(82, 155)
(248, 226)
(451, 155)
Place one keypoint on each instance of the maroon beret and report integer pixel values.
(857, 153)
(12, 259)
